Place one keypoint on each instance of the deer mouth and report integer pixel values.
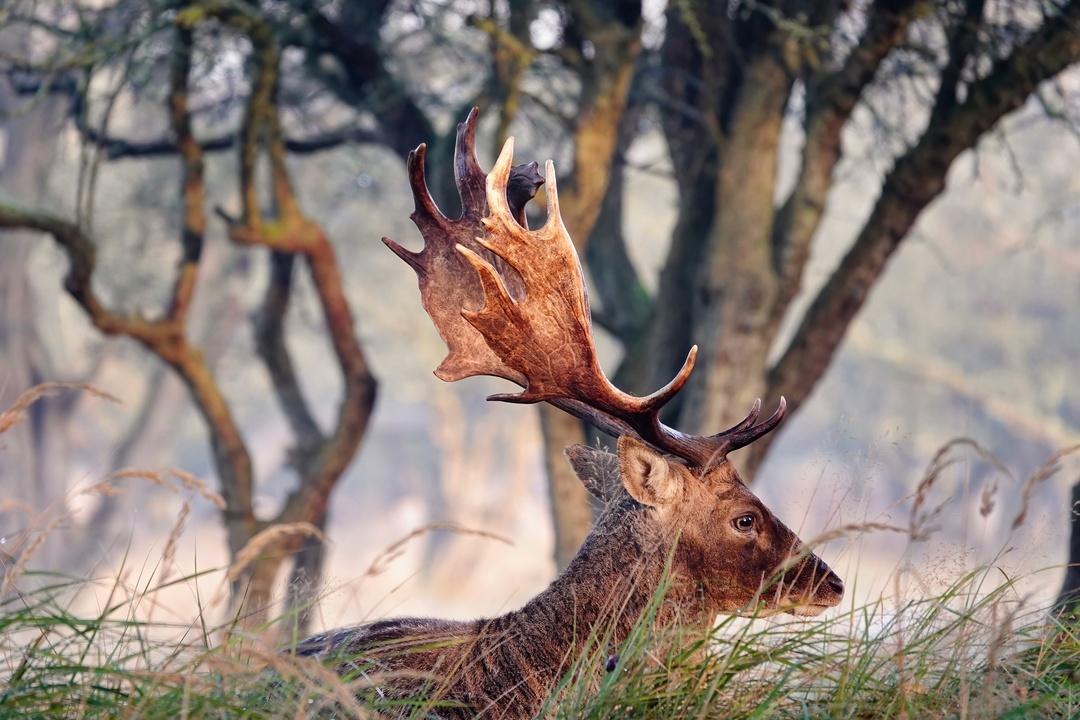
(808, 610)
(816, 604)
(792, 608)
(809, 604)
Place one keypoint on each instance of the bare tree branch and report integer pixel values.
(115, 148)
(289, 232)
(165, 337)
(605, 89)
(193, 189)
(231, 456)
(270, 344)
(353, 40)
(512, 54)
(830, 100)
(916, 179)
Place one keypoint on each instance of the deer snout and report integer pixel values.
(828, 587)
(815, 587)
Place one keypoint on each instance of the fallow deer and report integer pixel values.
(511, 302)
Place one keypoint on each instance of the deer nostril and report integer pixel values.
(835, 583)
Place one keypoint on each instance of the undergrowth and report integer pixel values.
(974, 650)
(959, 655)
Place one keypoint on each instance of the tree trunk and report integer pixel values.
(305, 584)
(35, 459)
(738, 286)
(571, 509)
(253, 591)
(1068, 599)
(606, 82)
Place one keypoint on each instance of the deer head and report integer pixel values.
(732, 555)
(511, 302)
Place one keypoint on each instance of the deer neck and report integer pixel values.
(613, 580)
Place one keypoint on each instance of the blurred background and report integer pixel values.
(870, 208)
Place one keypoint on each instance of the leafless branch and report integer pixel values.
(270, 343)
(115, 148)
(288, 231)
(829, 103)
(165, 337)
(917, 178)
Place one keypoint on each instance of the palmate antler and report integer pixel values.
(512, 303)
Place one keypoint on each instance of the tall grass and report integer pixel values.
(962, 654)
(973, 650)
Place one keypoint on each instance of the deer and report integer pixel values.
(511, 302)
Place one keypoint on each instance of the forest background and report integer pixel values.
(725, 165)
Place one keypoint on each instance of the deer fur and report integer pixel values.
(660, 521)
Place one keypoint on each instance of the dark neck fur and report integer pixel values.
(600, 597)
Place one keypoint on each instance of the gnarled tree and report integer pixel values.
(726, 81)
(319, 457)
(722, 79)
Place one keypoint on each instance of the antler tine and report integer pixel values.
(746, 432)
(471, 180)
(469, 177)
(497, 180)
(657, 400)
(425, 214)
(424, 204)
(746, 422)
(554, 216)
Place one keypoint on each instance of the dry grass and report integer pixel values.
(17, 412)
(269, 537)
(976, 648)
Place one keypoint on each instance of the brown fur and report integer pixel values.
(657, 509)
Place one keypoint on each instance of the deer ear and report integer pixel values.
(646, 474)
(598, 470)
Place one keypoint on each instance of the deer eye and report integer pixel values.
(744, 523)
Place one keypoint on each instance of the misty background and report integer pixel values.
(972, 331)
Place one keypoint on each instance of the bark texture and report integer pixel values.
(1068, 599)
